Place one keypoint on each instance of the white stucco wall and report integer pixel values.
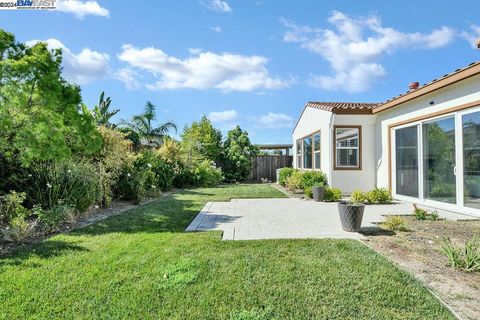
(365, 179)
(454, 95)
(313, 120)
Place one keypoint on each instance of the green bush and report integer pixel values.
(206, 174)
(283, 174)
(109, 161)
(465, 257)
(358, 196)
(294, 181)
(17, 230)
(332, 194)
(159, 174)
(379, 195)
(395, 223)
(422, 214)
(11, 206)
(132, 184)
(313, 178)
(55, 215)
(308, 192)
(72, 182)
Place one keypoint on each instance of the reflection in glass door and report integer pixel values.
(471, 159)
(439, 179)
(406, 156)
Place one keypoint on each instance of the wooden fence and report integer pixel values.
(265, 166)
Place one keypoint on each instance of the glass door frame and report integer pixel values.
(459, 206)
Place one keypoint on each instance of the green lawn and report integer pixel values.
(140, 265)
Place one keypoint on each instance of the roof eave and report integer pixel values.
(466, 73)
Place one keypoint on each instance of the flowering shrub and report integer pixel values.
(283, 174)
(159, 174)
(75, 183)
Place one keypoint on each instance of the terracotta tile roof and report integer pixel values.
(338, 106)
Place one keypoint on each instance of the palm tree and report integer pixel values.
(100, 112)
(150, 136)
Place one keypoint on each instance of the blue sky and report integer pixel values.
(248, 62)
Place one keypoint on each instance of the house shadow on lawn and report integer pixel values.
(43, 250)
(168, 214)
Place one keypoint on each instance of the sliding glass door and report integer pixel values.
(437, 161)
(406, 160)
(439, 181)
(471, 159)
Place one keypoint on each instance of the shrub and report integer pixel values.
(109, 161)
(308, 192)
(131, 184)
(238, 152)
(206, 174)
(11, 206)
(159, 174)
(294, 181)
(311, 178)
(358, 196)
(283, 174)
(466, 258)
(332, 194)
(422, 214)
(18, 229)
(395, 223)
(55, 215)
(73, 182)
(379, 195)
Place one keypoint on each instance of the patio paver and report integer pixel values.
(290, 218)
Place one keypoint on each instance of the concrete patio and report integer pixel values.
(291, 218)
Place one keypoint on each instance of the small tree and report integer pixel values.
(202, 141)
(238, 152)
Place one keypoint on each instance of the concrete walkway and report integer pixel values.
(290, 218)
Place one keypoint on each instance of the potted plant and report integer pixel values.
(318, 191)
(351, 215)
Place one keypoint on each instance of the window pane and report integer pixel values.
(347, 157)
(317, 160)
(406, 161)
(347, 137)
(471, 159)
(299, 154)
(316, 142)
(307, 153)
(439, 160)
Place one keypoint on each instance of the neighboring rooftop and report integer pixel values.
(368, 108)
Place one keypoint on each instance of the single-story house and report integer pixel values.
(424, 145)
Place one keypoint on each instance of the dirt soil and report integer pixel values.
(419, 252)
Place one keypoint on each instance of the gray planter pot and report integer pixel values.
(351, 215)
(318, 193)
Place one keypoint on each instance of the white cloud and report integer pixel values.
(223, 116)
(129, 78)
(202, 70)
(472, 35)
(83, 67)
(216, 29)
(274, 120)
(82, 8)
(354, 47)
(216, 5)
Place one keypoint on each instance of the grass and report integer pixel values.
(141, 265)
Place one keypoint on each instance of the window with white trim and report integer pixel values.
(299, 154)
(347, 147)
(316, 150)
